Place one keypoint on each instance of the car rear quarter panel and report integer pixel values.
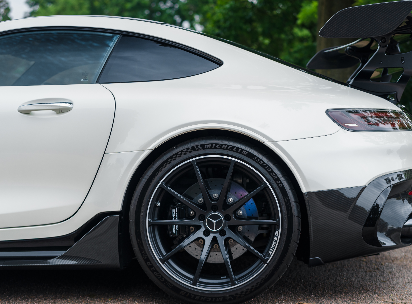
(248, 92)
(348, 159)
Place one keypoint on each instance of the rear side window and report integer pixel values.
(53, 57)
(136, 59)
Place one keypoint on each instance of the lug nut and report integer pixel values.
(239, 228)
(191, 213)
(201, 242)
(239, 213)
(214, 208)
(227, 217)
(222, 232)
(158, 204)
(201, 217)
(216, 246)
(200, 200)
(230, 241)
(206, 232)
(215, 196)
(230, 200)
(192, 229)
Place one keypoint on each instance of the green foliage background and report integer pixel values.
(4, 10)
(285, 29)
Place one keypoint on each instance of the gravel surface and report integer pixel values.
(386, 278)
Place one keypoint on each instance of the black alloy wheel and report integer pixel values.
(214, 220)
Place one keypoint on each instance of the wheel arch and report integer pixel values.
(303, 250)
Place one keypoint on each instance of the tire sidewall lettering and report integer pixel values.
(216, 148)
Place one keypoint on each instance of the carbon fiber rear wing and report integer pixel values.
(380, 28)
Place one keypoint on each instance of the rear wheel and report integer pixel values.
(214, 220)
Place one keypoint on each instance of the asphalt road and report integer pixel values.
(386, 278)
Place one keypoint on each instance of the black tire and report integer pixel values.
(205, 256)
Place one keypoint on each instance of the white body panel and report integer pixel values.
(48, 161)
(106, 194)
(149, 111)
(348, 159)
(270, 102)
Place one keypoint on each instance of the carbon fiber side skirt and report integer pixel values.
(98, 248)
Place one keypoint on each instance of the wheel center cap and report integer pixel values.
(214, 221)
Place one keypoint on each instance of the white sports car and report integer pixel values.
(209, 163)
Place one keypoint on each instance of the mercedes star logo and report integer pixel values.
(214, 221)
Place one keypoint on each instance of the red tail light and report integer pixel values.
(371, 119)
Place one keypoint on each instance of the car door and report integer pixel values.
(55, 122)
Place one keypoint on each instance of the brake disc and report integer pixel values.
(249, 211)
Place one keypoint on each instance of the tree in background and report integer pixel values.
(4, 10)
(271, 26)
(281, 28)
(165, 11)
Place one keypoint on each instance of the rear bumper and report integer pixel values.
(356, 186)
(359, 221)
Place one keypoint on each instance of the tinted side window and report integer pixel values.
(53, 57)
(137, 59)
